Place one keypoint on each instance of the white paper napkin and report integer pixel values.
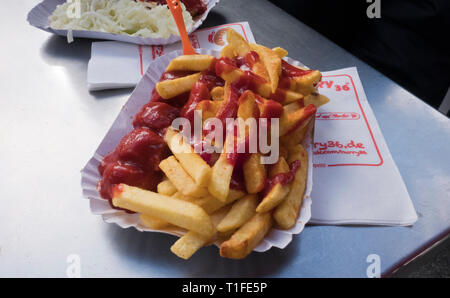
(355, 178)
(120, 65)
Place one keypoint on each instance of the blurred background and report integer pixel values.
(409, 43)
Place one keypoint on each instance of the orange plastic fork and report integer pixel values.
(177, 13)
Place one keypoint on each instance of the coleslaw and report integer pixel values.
(127, 17)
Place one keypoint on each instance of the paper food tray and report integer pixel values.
(123, 125)
(38, 17)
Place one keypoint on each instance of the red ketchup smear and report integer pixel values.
(177, 101)
(289, 70)
(235, 158)
(156, 116)
(247, 62)
(271, 109)
(248, 81)
(198, 93)
(224, 65)
(283, 178)
(134, 162)
(194, 7)
(211, 80)
(287, 74)
(279, 95)
(309, 111)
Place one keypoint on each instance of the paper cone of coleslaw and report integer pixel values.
(123, 125)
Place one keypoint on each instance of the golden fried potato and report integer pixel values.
(171, 88)
(211, 204)
(240, 46)
(166, 188)
(280, 52)
(297, 136)
(209, 108)
(191, 162)
(278, 192)
(254, 174)
(290, 120)
(190, 243)
(287, 212)
(240, 213)
(153, 223)
(247, 237)
(316, 99)
(191, 63)
(272, 63)
(222, 171)
(181, 179)
(306, 84)
(177, 212)
(228, 51)
(217, 93)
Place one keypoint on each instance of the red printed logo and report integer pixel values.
(194, 41)
(338, 116)
(218, 37)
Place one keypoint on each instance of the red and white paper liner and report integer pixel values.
(123, 125)
(39, 18)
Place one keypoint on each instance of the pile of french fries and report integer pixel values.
(197, 196)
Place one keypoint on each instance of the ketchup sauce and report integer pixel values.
(134, 162)
(156, 116)
(194, 7)
(283, 178)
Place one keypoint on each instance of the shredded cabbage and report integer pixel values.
(129, 17)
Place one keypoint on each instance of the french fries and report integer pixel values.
(217, 94)
(278, 192)
(239, 214)
(306, 84)
(181, 179)
(289, 121)
(187, 245)
(153, 223)
(238, 43)
(180, 213)
(191, 162)
(191, 63)
(225, 197)
(316, 99)
(222, 171)
(280, 52)
(287, 212)
(209, 108)
(247, 237)
(166, 188)
(172, 88)
(296, 137)
(254, 174)
(211, 204)
(272, 63)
